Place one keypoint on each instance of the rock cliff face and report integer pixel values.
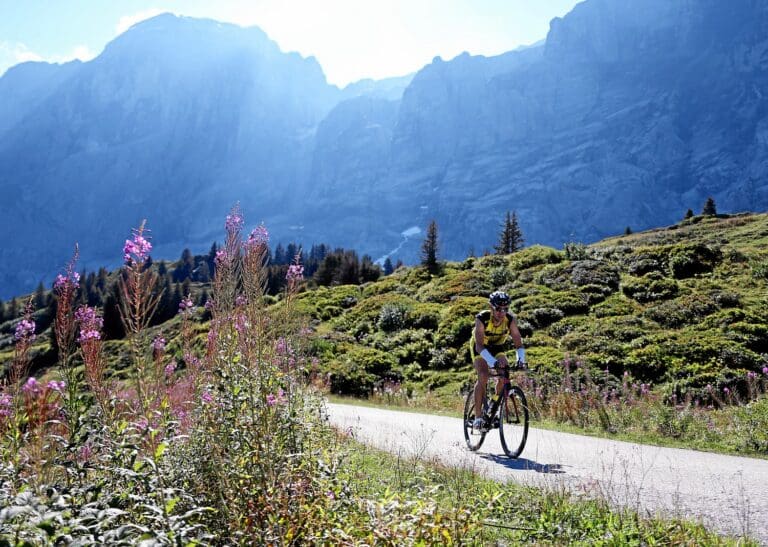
(627, 115)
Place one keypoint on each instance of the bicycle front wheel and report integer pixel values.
(474, 437)
(513, 422)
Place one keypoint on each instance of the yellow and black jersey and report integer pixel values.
(496, 336)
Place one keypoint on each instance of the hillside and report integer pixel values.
(681, 308)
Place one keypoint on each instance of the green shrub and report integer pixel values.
(457, 321)
(753, 336)
(760, 270)
(576, 251)
(534, 255)
(499, 276)
(383, 285)
(391, 317)
(751, 421)
(446, 358)
(647, 289)
(688, 260)
(355, 371)
(685, 310)
(424, 316)
(615, 305)
(543, 317)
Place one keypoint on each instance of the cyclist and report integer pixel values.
(490, 337)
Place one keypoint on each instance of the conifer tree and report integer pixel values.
(510, 237)
(709, 207)
(2, 312)
(627, 231)
(13, 309)
(429, 249)
(40, 296)
(689, 214)
(368, 270)
(388, 268)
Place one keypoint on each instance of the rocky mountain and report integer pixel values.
(628, 114)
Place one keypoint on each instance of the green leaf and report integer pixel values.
(170, 504)
(160, 450)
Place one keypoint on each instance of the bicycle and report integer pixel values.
(507, 411)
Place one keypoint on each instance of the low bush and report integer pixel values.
(535, 255)
(681, 311)
(392, 317)
(648, 289)
(687, 260)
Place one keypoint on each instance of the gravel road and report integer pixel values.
(727, 493)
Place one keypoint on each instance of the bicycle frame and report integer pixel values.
(510, 419)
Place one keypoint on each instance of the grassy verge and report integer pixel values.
(510, 514)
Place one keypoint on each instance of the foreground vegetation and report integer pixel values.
(208, 430)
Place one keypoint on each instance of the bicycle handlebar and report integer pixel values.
(499, 371)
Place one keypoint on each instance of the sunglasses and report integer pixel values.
(500, 308)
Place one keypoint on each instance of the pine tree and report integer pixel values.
(510, 237)
(689, 214)
(2, 312)
(185, 266)
(40, 296)
(368, 270)
(429, 249)
(13, 309)
(709, 208)
(627, 231)
(388, 268)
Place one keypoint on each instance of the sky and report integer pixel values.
(351, 39)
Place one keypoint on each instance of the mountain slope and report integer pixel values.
(627, 115)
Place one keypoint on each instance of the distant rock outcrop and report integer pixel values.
(627, 115)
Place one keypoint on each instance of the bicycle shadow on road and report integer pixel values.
(523, 464)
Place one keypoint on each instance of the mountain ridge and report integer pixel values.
(620, 118)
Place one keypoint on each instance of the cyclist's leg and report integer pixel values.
(481, 367)
(502, 362)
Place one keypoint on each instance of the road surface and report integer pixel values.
(726, 493)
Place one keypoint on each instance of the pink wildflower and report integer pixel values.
(136, 249)
(765, 371)
(170, 368)
(206, 397)
(90, 324)
(186, 305)
(158, 344)
(31, 387)
(53, 385)
(241, 300)
(271, 399)
(234, 222)
(6, 405)
(295, 273)
(259, 236)
(221, 257)
(62, 281)
(25, 330)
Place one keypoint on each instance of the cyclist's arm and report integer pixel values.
(517, 339)
(479, 336)
(514, 332)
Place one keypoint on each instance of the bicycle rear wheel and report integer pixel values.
(513, 422)
(473, 437)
